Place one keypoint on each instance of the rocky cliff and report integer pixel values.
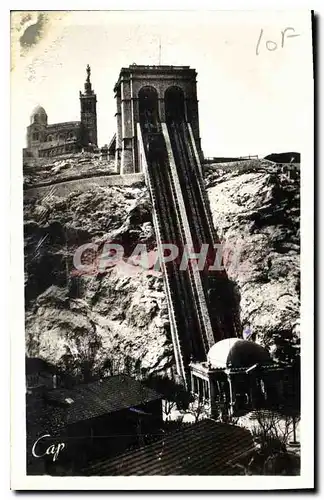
(256, 209)
(46, 171)
(96, 321)
(101, 321)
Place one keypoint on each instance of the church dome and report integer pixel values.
(237, 353)
(38, 115)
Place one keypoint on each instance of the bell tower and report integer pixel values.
(88, 105)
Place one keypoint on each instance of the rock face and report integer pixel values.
(45, 171)
(256, 212)
(102, 320)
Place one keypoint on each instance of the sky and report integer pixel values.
(253, 92)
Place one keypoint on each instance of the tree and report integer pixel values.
(286, 347)
(272, 435)
(274, 426)
(168, 407)
(171, 390)
(198, 409)
(80, 356)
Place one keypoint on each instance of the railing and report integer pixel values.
(221, 159)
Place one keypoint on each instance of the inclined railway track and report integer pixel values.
(182, 216)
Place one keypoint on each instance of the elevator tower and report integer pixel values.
(152, 94)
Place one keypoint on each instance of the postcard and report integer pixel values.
(162, 322)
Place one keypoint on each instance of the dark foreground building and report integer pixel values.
(204, 448)
(102, 418)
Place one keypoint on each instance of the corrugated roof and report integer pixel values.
(204, 448)
(88, 400)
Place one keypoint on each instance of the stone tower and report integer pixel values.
(88, 104)
(36, 131)
(159, 90)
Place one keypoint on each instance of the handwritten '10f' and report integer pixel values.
(271, 45)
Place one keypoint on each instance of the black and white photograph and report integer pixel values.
(162, 179)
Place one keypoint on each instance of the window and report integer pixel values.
(206, 390)
(174, 104)
(148, 108)
(194, 388)
(200, 389)
(35, 136)
(87, 107)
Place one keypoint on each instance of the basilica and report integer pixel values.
(49, 140)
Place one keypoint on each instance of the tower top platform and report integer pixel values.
(141, 70)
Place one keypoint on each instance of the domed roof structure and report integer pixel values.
(237, 353)
(38, 114)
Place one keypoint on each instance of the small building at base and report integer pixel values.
(239, 376)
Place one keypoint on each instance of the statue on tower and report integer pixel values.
(87, 84)
(88, 73)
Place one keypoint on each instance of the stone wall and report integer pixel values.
(62, 189)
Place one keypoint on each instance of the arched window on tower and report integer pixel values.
(174, 105)
(148, 109)
(35, 136)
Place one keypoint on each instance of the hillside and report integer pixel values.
(45, 171)
(106, 321)
(256, 209)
